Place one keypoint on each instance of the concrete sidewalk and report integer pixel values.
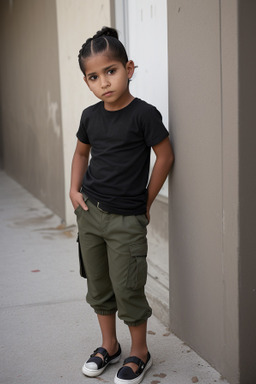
(47, 329)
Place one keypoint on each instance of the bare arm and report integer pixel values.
(79, 167)
(162, 166)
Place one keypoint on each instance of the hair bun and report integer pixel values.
(106, 31)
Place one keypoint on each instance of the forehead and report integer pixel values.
(98, 62)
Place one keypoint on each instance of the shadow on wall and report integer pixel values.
(1, 139)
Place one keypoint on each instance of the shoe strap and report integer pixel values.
(103, 352)
(137, 361)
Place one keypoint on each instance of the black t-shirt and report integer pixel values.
(118, 170)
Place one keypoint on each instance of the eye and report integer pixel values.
(93, 78)
(111, 71)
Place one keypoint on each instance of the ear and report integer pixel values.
(130, 69)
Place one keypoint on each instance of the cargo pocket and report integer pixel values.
(137, 269)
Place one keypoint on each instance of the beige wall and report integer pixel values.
(77, 20)
(203, 66)
(157, 287)
(247, 191)
(30, 99)
(43, 93)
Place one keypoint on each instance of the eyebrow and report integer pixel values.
(104, 69)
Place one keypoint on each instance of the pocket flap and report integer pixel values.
(139, 250)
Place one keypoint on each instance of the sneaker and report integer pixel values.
(125, 375)
(95, 365)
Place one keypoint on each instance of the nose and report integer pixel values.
(104, 82)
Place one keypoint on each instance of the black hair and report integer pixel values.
(104, 40)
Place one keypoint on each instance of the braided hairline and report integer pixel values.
(92, 40)
(112, 43)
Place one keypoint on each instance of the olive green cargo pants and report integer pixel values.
(114, 250)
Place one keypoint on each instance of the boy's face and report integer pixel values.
(108, 79)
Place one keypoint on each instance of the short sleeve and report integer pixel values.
(154, 129)
(82, 130)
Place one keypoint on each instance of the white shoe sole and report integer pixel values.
(96, 372)
(138, 379)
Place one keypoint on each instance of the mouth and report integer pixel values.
(106, 94)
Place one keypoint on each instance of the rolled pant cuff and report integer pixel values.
(105, 312)
(135, 323)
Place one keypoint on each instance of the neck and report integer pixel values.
(120, 104)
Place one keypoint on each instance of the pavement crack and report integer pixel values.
(41, 304)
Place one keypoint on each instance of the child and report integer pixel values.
(112, 200)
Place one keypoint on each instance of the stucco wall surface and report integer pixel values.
(43, 92)
(76, 21)
(247, 190)
(203, 86)
(30, 99)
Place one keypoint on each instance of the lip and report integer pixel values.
(109, 93)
